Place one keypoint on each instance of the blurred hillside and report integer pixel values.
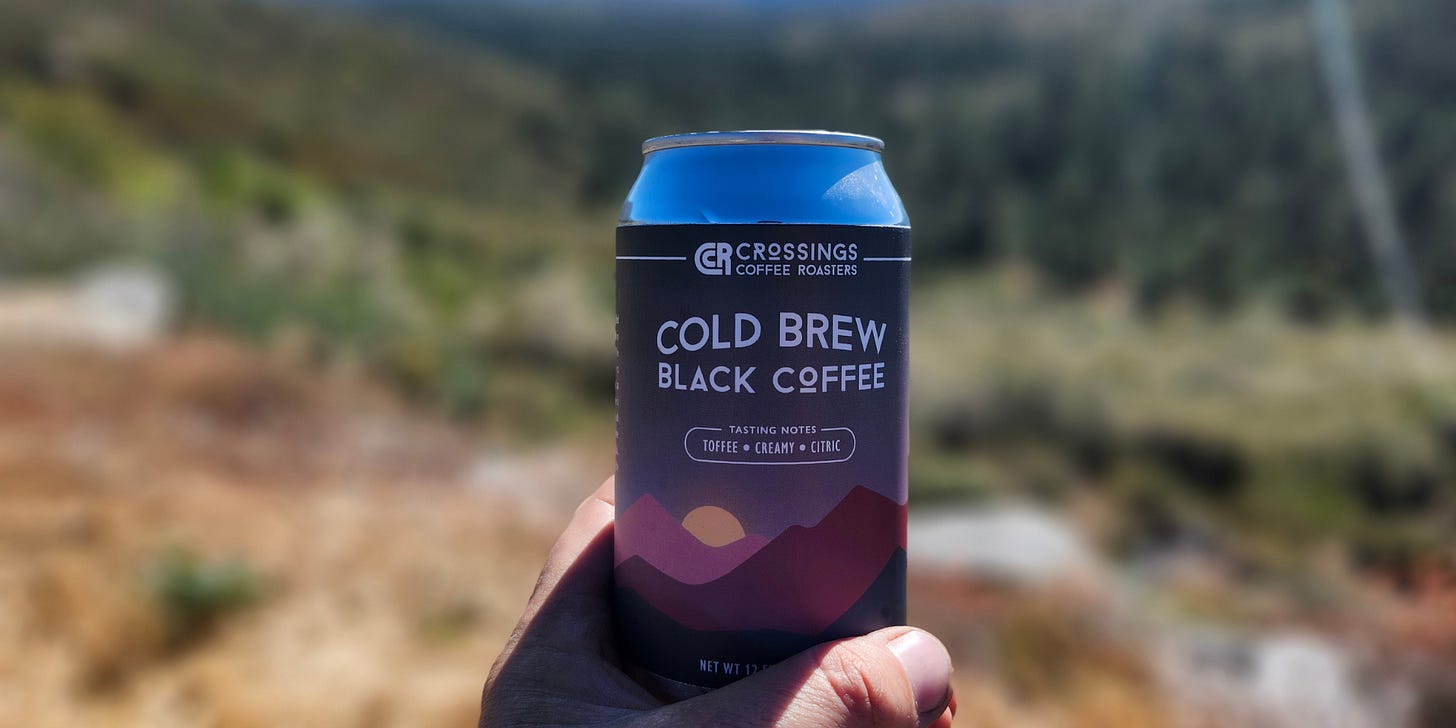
(377, 218)
(1144, 308)
(390, 180)
(426, 190)
(391, 190)
(1176, 146)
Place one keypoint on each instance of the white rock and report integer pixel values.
(1280, 680)
(1302, 680)
(117, 307)
(126, 306)
(1016, 543)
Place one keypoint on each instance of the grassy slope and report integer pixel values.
(373, 108)
(1240, 432)
(388, 203)
(435, 231)
(1181, 148)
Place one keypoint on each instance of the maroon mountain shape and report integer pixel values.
(800, 582)
(647, 530)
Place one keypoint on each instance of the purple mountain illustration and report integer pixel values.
(662, 542)
(801, 582)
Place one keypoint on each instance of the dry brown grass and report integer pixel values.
(1039, 658)
(388, 582)
(388, 572)
(388, 586)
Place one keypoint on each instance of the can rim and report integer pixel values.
(811, 137)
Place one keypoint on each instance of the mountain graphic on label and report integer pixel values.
(707, 544)
(801, 581)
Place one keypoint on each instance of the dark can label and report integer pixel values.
(761, 441)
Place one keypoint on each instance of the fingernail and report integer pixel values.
(927, 665)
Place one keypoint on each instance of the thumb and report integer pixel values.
(898, 677)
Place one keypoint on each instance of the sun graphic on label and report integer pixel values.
(713, 525)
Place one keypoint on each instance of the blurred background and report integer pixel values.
(284, 434)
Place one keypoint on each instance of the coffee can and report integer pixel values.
(762, 285)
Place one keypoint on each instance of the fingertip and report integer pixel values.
(927, 666)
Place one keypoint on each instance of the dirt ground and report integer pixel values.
(377, 556)
(199, 534)
(381, 572)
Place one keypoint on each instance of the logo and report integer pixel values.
(714, 259)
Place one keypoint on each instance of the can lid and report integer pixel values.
(767, 136)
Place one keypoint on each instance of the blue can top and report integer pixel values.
(791, 177)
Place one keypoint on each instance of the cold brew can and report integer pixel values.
(762, 311)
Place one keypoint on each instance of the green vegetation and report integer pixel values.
(195, 594)
(1185, 149)
(433, 197)
(391, 221)
(1240, 430)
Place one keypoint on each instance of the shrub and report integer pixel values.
(195, 594)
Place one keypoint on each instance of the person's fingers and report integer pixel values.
(570, 604)
(590, 525)
(898, 677)
(945, 718)
(562, 653)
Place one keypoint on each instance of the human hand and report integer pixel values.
(561, 665)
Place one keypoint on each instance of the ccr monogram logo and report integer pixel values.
(714, 259)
